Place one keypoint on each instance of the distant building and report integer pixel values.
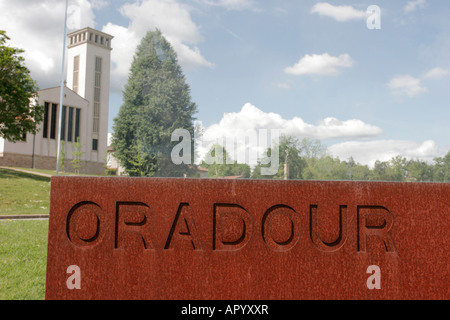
(202, 172)
(113, 164)
(84, 113)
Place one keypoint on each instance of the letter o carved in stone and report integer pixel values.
(84, 224)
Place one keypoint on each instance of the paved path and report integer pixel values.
(30, 216)
(25, 217)
(30, 172)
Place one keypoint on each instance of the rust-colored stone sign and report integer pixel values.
(182, 239)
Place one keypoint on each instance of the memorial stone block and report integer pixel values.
(199, 239)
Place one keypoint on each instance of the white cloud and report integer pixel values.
(323, 64)
(169, 16)
(122, 55)
(250, 117)
(37, 27)
(99, 4)
(189, 57)
(411, 86)
(367, 152)
(332, 128)
(251, 120)
(39, 60)
(414, 5)
(436, 73)
(230, 4)
(80, 14)
(235, 130)
(406, 85)
(339, 13)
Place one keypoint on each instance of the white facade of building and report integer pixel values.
(84, 113)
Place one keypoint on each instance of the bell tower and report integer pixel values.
(88, 74)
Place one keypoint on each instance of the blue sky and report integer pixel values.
(311, 68)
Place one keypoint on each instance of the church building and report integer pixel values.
(84, 115)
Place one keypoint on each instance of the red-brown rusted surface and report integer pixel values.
(246, 239)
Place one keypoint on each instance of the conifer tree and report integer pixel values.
(156, 102)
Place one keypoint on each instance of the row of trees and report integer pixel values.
(308, 160)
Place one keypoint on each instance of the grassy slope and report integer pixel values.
(22, 193)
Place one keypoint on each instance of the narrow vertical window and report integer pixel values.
(94, 144)
(97, 93)
(76, 72)
(46, 110)
(70, 125)
(53, 121)
(63, 123)
(77, 124)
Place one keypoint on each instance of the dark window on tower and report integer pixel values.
(53, 122)
(46, 110)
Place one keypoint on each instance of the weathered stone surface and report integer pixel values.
(124, 238)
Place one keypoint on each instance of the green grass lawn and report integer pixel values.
(23, 243)
(23, 193)
(23, 259)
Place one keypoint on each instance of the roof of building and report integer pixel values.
(65, 89)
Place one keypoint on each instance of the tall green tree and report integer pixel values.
(217, 161)
(393, 170)
(357, 171)
(156, 102)
(442, 169)
(18, 115)
(327, 168)
(291, 157)
(419, 171)
(219, 164)
(77, 154)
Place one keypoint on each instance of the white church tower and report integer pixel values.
(88, 74)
